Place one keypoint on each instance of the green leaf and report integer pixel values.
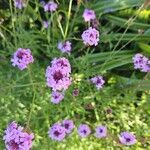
(144, 47)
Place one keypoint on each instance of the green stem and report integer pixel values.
(33, 99)
(12, 21)
(68, 18)
(60, 26)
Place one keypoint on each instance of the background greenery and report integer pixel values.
(124, 31)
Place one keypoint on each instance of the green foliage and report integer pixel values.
(124, 32)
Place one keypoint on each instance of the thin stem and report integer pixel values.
(12, 21)
(68, 18)
(60, 26)
(33, 99)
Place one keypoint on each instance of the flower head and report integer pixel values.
(68, 125)
(57, 97)
(101, 131)
(22, 58)
(16, 138)
(84, 130)
(90, 37)
(46, 24)
(50, 6)
(65, 47)
(98, 81)
(89, 15)
(57, 132)
(127, 138)
(141, 62)
(19, 4)
(58, 74)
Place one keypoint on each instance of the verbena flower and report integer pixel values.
(63, 64)
(98, 81)
(57, 132)
(127, 138)
(57, 97)
(22, 58)
(84, 130)
(50, 6)
(90, 37)
(89, 15)
(19, 4)
(58, 74)
(46, 24)
(65, 47)
(101, 131)
(68, 125)
(16, 138)
(141, 62)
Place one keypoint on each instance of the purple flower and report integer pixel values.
(90, 36)
(57, 97)
(75, 92)
(46, 24)
(22, 58)
(58, 75)
(101, 131)
(98, 81)
(50, 6)
(84, 130)
(63, 64)
(16, 138)
(141, 62)
(19, 4)
(65, 47)
(68, 125)
(57, 132)
(127, 138)
(89, 15)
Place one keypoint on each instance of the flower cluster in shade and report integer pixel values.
(19, 4)
(65, 47)
(50, 6)
(141, 62)
(46, 24)
(90, 37)
(60, 130)
(127, 138)
(22, 58)
(89, 15)
(16, 138)
(98, 81)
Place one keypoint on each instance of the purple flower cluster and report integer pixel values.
(58, 78)
(127, 138)
(141, 62)
(59, 130)
(46, 24)
(84, 130)
(58, 74)
(19, 4)
(57, 97)
(16, 138)
(65, 47)
(90, 37)
(101, 131)
(89, 15)
(22, 58)
(50, 6)
(98, 81)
